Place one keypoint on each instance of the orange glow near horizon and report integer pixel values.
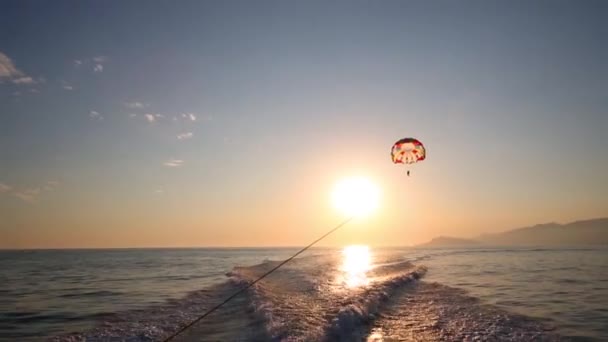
(290, 210)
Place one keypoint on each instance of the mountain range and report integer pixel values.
(586, 232)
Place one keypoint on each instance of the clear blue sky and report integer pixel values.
(129, 123)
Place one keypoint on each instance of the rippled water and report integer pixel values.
(329, 294)
(568, 287)
(48, 292)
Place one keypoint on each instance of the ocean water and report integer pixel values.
(351, 294)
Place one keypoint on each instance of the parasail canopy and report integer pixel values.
(408, 151)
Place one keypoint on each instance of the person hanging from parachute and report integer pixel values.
(408, 151)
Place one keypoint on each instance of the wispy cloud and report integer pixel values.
(189, 116)
(50, 185)
(184, 136)
(24, 80)
(28, 195)
(174, 163)
(136, 105)
(97, 63)
(150, 117)
(8, 68)
(9, 71)
(5, 188)
(162, 118)
(65, 85)
(95, 115)
(100, 59)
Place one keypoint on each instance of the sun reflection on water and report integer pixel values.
(356, 262)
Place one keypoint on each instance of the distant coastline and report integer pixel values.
(446, 241)
(585, 232)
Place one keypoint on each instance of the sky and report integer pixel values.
(226, 123)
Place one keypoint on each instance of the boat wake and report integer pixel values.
(313, 299)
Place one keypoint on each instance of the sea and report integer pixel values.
(353, 293)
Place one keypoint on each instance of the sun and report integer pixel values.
(356, 196)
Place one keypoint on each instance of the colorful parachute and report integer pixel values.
(408, 151)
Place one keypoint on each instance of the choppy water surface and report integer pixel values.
(568, 287)
(354, 293)
(44, 293)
